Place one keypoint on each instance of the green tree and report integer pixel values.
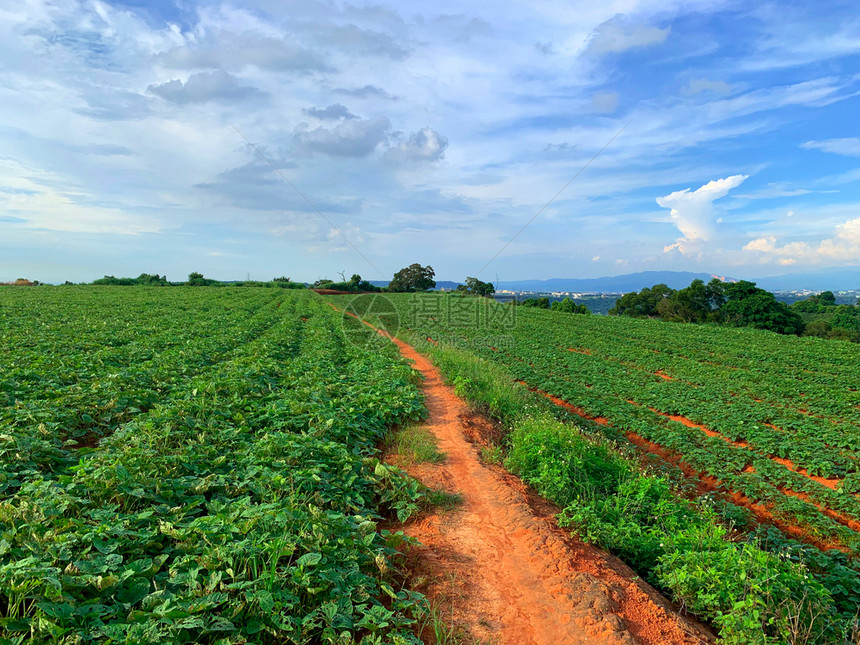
(749, 306)
(413, 278)
(196, 279)
(152, 280)
(819, 328)
(569, 306)
(827, 298)
(846, 317)
(642, 304)
(475, 286)
(540, 303)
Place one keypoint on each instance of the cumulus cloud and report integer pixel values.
(353, 39)
(842, 246)
(204, 87)
(693, 211)
(350, 138)
(850, 147)
(617, 35)
(367, 92)
(334, 111)
(232, 51)
(424, 145)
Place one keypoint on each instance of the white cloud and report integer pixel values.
(366, 92)
(774, 191)
(849, 147)
(28, 199)
(334, 112)
(236, 51)
(693, 212)
(617, 35)
(843, 246)
(350, 138)
(205, 87)
(424, 145)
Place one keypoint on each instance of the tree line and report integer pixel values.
(413, 278)
(742, 304)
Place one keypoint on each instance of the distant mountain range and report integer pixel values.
(610, 284)
(836, 280)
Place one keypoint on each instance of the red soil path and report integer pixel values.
(518, 578)
(500, 567)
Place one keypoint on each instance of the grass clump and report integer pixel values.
(413, 444)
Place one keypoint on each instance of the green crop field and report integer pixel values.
(761, 429)
(196, 465)
(200, 465)
(775, 418)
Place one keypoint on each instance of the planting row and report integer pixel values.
(241, 506)
(773, 419)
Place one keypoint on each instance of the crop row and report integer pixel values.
(754, 432)
(110, 357)
(242, 507)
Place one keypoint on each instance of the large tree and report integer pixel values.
(473, 285)
(642, 304)
(413, 278)
(748, 306)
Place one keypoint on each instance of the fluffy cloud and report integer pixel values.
(354, 40)
(693, 212)
(617, 35)
(351, 138)
(367, 92)
(849, 147)
(334, 111)
(843, 246)
(232, 51)
(424, 145)
(205, 87)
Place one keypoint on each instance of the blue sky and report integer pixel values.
(427, 132)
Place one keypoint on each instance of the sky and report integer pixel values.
(304, 139)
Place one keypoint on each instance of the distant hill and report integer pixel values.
(609, 284)
(846, 279)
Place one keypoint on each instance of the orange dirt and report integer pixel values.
(570, 406)
(830, 482)
(502, 568)
(708, 484)
(580, 350)
(663, 375)
(836, 516)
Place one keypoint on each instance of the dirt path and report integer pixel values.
(502, 569)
